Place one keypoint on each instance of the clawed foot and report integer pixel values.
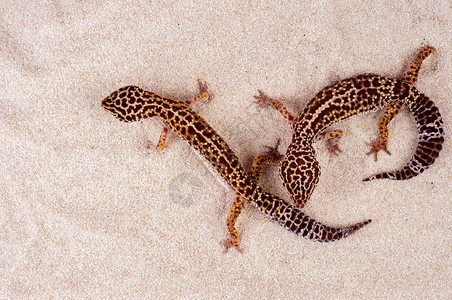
(376, 146)
(332, 146)
(262, 100)
(202, 96)
(202, 86)
(273, 151)
(331, 140)
(229, 243)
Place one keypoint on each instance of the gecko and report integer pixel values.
(300, 170)
(132, 103)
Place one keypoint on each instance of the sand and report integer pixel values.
(89, 208)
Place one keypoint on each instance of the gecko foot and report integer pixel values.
(229, 243)
(332, 146)
(273, 151)
(376, 146)
(331, 141)
(264, 101)
(202, 86)
(202, 96)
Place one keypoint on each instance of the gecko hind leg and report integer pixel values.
(381, 142)
(410, 76)
(202, 96)
(412, 73)
(234, 212)
(237, 205)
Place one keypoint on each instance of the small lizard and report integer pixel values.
(300, 170)
(132, 103)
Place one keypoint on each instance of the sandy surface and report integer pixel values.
(87, 210)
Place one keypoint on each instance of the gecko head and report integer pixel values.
(119, 104)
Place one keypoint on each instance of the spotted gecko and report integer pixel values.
(300, 170)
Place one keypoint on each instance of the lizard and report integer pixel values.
(300, 170)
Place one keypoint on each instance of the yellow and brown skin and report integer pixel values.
(237, 205)
(202, 96)
(300, 170)
(132, 103)
(394, 108)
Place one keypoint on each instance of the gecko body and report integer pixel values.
(300, 170)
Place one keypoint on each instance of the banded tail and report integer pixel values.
(430, 130)
(294, 220)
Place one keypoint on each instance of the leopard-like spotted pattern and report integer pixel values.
(300, 170)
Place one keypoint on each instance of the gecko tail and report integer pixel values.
(293, 219)
(334, 234)
(318, 232)
(425, 155)
(405, 173)
(352, 229)
(430, 130)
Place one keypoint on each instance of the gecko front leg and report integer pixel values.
(202, 96)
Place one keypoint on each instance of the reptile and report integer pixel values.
(300, 170)
(132, 103)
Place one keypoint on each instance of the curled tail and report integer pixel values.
(294, 220)
(430, 130)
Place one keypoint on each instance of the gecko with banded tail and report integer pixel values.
(300, 170)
